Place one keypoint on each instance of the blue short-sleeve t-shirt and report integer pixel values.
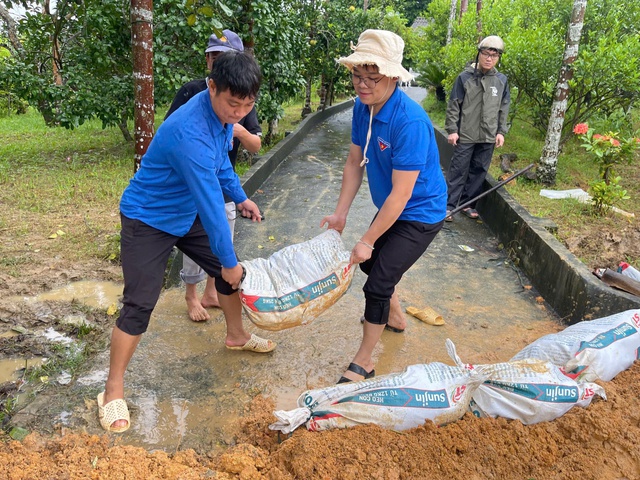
(402, 138)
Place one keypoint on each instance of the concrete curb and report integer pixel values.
(565, 283)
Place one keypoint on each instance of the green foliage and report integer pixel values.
(179, 44)
(432, 76)
(277, 48)
(606, 195)
(82, 69)
(607, 150)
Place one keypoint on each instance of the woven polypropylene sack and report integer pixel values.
(297, 283)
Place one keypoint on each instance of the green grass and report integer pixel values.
(53, 179)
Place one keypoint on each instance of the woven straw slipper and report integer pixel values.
(111, 412)
(256, 344)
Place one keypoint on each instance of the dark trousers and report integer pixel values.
(144, 253)
(394, 253)
(467, 171)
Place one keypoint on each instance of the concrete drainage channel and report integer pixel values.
(566, 284)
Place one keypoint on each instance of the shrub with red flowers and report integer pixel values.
(608, 151)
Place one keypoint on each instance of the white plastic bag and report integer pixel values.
(591, 350)
(434, 391)
(297, 283)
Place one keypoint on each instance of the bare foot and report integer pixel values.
(197, 312)
(210, 301)
(210, 297)
(396, 315)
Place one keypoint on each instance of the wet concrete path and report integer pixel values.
(185, 389)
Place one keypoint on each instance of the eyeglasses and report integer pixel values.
(489, 55)
(368, 81)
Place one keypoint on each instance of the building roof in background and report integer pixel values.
(420, 22)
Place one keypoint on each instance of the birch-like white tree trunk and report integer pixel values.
(142, 48)
(452, 18)
(547, 168)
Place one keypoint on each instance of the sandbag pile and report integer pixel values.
(540, 383)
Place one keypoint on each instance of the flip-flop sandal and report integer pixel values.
(449, 217)
(471, 213)
(358, 370)
(387, 327)
(112, 412)
(256, 344)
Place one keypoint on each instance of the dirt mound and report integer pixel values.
(599, 442)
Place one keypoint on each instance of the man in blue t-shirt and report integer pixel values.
(393, 139)
(177, 199)
(246, 132)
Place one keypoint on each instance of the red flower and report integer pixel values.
(615, 142)
(581, 128)
(597, 136)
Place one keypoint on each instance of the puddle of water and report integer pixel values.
(10, 367)
(91, 293)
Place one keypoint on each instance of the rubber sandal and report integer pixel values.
(256, 344)
(449, 217)
(393, 329)
(112, 412)
(471, 213)
(387, 327)
(358, 370)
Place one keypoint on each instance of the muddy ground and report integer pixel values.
(599, 442)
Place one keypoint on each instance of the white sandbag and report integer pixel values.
(531, 391)
(591, 350)
(297, 283)
(434, 391)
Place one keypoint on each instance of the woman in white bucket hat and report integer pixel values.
(392, 139)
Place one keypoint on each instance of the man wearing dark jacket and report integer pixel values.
(476, 122)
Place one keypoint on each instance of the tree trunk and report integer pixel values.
(479, 20)
(464, 5)
(124, 128)
(142, 46)
(10, 26)
(452, 18)
(546, 172)
(306, 110)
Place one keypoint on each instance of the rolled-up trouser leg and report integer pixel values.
(394, 253)
(191, 272)
(144, 253)
(196, 245)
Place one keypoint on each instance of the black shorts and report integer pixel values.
(394, 253)
(144, 253)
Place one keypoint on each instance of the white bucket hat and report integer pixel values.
(381, 48)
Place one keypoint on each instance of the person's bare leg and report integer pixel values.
(210, 297)
(396, 315)
(197, 312)
(370, 336)
(232, 308)
(123, 346)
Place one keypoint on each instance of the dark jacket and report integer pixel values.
(478, 106)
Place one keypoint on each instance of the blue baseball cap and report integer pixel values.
(228, 41)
